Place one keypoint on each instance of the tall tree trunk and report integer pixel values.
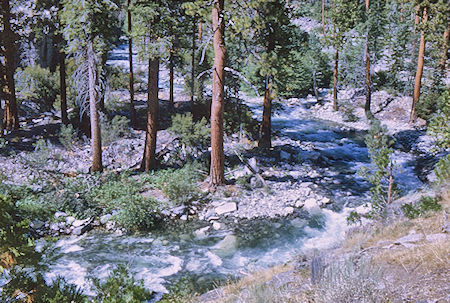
(419, 72)
(194, 32)
(96, 140)
(266, 123)
(368, 80)
(416, 22)
(11, 117)
(316, 92)
(131, 74)
(335, 79)
(63, 88)
(265, 140)
(443, 60)
(149, 160)
(101, 102)
(323, 19)
(217, 170)
(171, 76)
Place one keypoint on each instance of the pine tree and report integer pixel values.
(11, 117)
(217, 170)
(89, 26)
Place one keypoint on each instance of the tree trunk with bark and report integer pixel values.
(11, 117)
(194, 32)
(171, 79)
(149, 160)
(96, 141)
(368, 78)
(266, 123)
(63, 87)
(217, 170)
(443, 60)
(265, 140)
(130, 62)
(419, 72)
(323, 19)
(416, 22)
(335, 79)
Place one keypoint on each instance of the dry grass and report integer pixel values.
(424, 258)
(418, 273)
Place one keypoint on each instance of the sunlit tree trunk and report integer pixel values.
(266, 123)
(335, 79)
(443, 60)
(368, 80)
(265, 140)
(149, 160)
(217, 169)
(130, 61)
(416, 22)
(96, 141)
(11, 118)
(419, 72)
(323, 19)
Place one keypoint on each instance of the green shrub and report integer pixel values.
(37, 206)
(380, 152)
(442, 170)
(118, 79)
(68, 136)
(179, 185)
(349, 112)
(425, 205)
(122, 194)
(26, 286)
(238, 118)
(439, 126)
(37, 84)
(192, 134)
(113, 129)
(354, 217)
(121, 287)
(15, 239)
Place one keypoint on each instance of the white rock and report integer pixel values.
(436, 237)
(216, 225)
(60, 214)
(411, 238)
(299, 203)
(288, 210)
(183, 218)
(227, 246)
(326, 200)
(78, 223)
(226, 208)
(201, 233)
(310, 203)
(105, 218)
(70, 220)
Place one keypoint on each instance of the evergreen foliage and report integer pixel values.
(380, 175)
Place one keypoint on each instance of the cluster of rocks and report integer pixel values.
(64, 224)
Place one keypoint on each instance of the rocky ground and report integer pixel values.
(268, 191)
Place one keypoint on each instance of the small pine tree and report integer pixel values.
(380, 175)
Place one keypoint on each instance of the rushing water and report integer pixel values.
(161, 257)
